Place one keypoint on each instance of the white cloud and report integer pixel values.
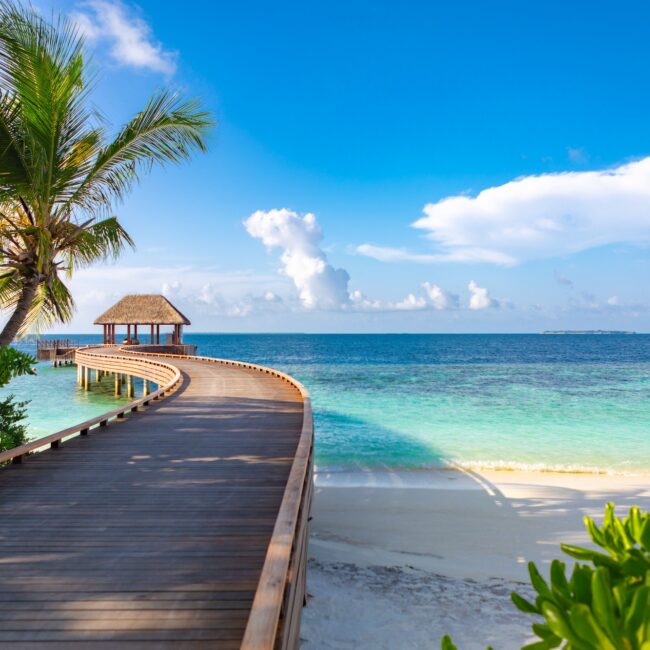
(543, 216)
(480, 298)
(439, 298)
(387, 254)
(319, 284)
(129, 37)
(410, 302)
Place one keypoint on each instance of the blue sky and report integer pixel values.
(363, 114)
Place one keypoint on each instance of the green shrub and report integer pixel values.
(605, 603)
(13, 364)
(12, 432)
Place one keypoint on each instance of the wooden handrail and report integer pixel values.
(171, 374)
(263, 630)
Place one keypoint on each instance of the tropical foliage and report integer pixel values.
(60, 173)
(605, 603)
(13, 364)
(12, 432)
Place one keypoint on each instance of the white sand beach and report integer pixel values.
(399, 559)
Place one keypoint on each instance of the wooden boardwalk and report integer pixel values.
(151, 532)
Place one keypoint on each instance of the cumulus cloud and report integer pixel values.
(439, 298)
(543, 216)
(410, 302)
(319, 284)
(129, 37)
(480, 298)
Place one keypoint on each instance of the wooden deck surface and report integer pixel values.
(151, 532)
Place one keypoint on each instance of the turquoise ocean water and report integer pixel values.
(419, 401)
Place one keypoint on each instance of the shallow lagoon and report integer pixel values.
(418, 401)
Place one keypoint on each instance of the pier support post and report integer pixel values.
(118, 384)
(87, 380)
(98, 375)
(129, 386)
(145, 388)
(78, 375)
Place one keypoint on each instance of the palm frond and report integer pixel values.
(169, 129)
(93, 242)
(15, 172)
(41, 68)
(52, 304)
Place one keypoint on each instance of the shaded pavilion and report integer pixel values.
(145, 310)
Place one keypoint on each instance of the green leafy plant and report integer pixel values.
(605, 603)
(13, 364)
(12, 432)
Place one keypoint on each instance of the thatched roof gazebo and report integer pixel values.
(142, 309)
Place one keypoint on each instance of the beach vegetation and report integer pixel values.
(61, 172)
(14, 363)
(604, 603)
(13, 432)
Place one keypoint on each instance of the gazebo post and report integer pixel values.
(158, 334)
(135, 331)
(152, 340)
(128, 333)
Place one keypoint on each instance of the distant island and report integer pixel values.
(610, 332)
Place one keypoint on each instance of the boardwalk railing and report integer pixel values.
(165, 375)
(274, 620)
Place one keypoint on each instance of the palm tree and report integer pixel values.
(59, 173)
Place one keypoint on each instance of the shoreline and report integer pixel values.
(400, 558)
(439, 477)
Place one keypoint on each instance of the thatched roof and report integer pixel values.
(143, 310)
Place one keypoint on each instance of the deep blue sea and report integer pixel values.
(418, 401)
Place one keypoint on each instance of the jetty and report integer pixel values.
(59, 351)
(177, 520)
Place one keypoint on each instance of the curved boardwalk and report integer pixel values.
(153, 531)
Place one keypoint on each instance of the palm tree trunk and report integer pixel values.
(20, 312)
